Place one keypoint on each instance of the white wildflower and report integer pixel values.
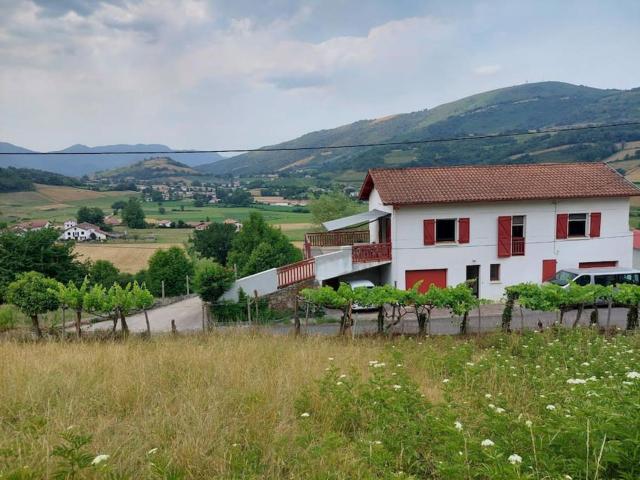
(576, 381)
(152, 451)
(331, 359)
(514, 458)
(550, 407)
(528, 423)
(379, 365)
(458, 426)
(585, 364)
(99, 459)
(487, 395)
(343, 376)
(633, 375)
(446, 380)
(397, 387)
(305, 414)
(500, 410)
(338, 383)
(487, 443)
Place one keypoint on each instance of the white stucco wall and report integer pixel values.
(409, 253)
(263, 282)
(375, 203)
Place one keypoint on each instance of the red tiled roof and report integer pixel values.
(490, 183)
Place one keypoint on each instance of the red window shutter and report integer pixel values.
(463, 230)
(594, 229)
(562, 225)
(548, 269)
(504, 236)
(429, 232)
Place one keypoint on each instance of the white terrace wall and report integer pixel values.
(263, 282)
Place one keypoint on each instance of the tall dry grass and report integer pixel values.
(199, 400)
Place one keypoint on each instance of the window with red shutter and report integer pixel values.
(504, 236)
(562, 223)
(429, 232)
(463, 230)
(594, 228)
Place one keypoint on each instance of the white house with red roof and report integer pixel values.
(494, 225)
(84, 232)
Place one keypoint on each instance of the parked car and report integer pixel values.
(360, 284)
(596, 276)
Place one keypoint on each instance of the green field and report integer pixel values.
(57, 204)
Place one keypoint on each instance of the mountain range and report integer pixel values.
(519, 108)
(68, 163)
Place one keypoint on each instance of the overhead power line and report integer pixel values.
(353, 145)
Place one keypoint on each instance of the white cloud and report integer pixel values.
(487, 69)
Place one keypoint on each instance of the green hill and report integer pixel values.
(23, 179)
(156, 167)
(519, 108)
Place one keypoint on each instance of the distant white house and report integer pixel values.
(84, 232)
(70, 223)
(164, 223)
(234, 222)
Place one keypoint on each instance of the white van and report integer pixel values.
(360, 284)
(597, 276)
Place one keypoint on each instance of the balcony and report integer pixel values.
(336, 239)
(370, 252)
(517, 246)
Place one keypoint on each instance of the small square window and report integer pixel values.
(494, 272)
(578, 225)
(446, 230)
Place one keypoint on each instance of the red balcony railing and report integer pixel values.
(517, 246)
(371, 252)
(296, 272)
(336, 239)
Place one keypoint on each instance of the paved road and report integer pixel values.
(187, 314)
(188, 317)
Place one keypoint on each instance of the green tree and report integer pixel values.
(93, 215)
(96, 300)
(271, 246)
(212, 280)
(377, 297)
(171, 266)
(142, 300)
(214, 242)
(121, 301)
(133, 215)
(70, 296)
(34, 294)
(118, 205)
(425, 303)
(104, 272)
(629, 296)
(38, 251)
(331, 206)
(461, 300)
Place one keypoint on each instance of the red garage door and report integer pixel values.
(428, 277)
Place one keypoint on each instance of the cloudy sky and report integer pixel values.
(246, 73)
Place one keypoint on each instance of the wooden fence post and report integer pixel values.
(249, 309)
(162, 284)
(204, 324)
(64, 325)
(296, 317)
(255, 294)
(187, 285)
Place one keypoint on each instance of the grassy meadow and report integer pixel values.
(552, 405)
